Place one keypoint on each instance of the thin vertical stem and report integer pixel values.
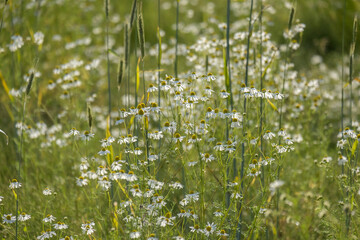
(108, 60)
(238, 232)
(177, 39)
(342, 67)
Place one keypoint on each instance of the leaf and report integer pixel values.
(354, 147)
(7, 138)
(6, 87)
(15, 195)
(272, 105)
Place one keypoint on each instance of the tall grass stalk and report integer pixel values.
(287, 56)
(176, 39)
(343, 69)
(238, 233)
(227, 70)
(158, 76)
(107, 59)
(2, 16)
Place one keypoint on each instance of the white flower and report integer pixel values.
(8, 218)
(135, 234)
(103, 152)
(38, 38)
(24, 217)
(269, 135)
(81, 181)
(16, 43)
(14, 184)
(49, 218)
(88, 228)
(47, 192)
(275, 185)
(342, 160)
(60, 225)
(209, 229)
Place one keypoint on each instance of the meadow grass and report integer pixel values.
(228, 139)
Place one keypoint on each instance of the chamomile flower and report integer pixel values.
(207, 157)
(222, 233)
(88, 228)
(195, 229)
(38, 38)
(269, 135)
(14, 184)
(49, 218)
(87, 136)
(16, 43)
(8, 218)
(60, 226)
(178, 138)
(135, 234)
(209, 229)
(47, 192)
(81, 181)
(342, 160)
(152, 88)
(103, 152)
(74, 132)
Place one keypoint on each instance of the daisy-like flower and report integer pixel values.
(176, 185)
(209, 229)
(253, 172)
(81, 181)
(192, 196)
(207, 157)
(191, 164)
(194, 139)
(138, 151)
(269, 135)
(87, 136)
(195, 229)
(131, 177)
(218, 213)
(74, 132)
(60, 226)
(16, 43)
(103, 152)
(235, 123)
(47, 192)
(178, 138)
(219, 147)
(38, 38)
(106, 142)
(1, 198)
(88, 228)
(8, 218)
(14, 184)
(157, 135)
(342, 160)
(275, 185)
(166, 220)
(152, 88)
(135, 234)
(49, 218)
(152, 237)
(67, 238)
(340, 144)
(153, 157)
(101, 171)
(104, 183)
(224, 94)
(222, 233)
